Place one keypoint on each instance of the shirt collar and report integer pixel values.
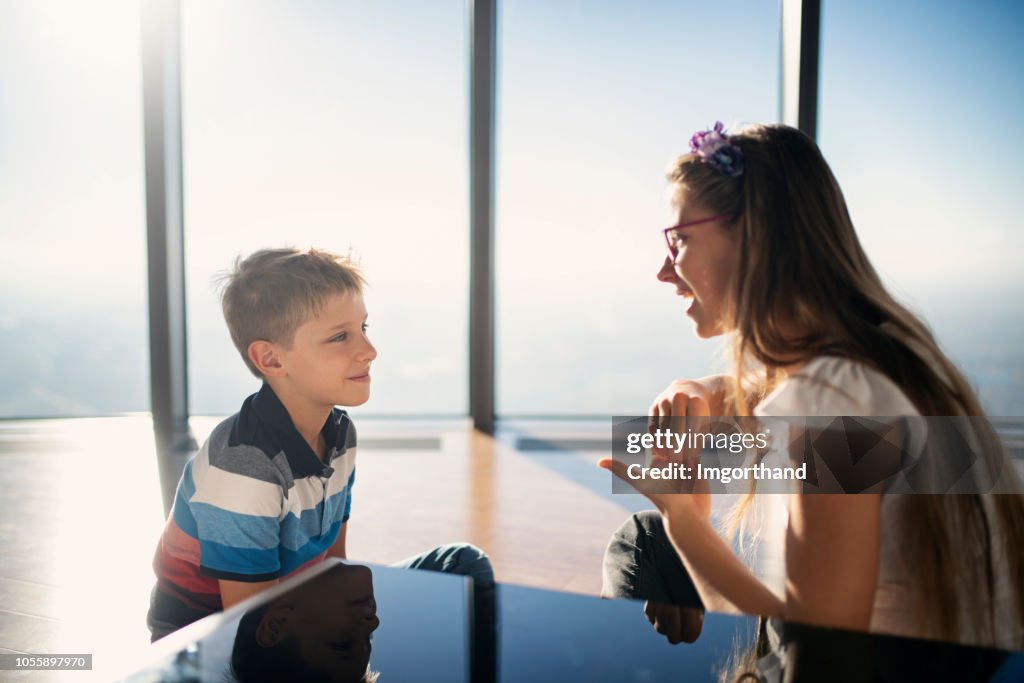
(301, 458)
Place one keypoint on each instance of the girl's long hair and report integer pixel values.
(804, 287)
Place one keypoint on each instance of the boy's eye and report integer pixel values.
(344, 335)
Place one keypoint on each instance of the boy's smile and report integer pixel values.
(328, 363)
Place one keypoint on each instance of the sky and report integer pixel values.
(343, 125)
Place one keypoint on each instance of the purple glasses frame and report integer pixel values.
(679, 226)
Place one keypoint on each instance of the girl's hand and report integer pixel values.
(678, 624)
(682, 414)
(713, 390)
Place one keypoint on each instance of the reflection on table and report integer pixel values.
(346, 623)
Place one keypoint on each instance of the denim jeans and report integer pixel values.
(466, 560)
(455, 558)
(640, 563)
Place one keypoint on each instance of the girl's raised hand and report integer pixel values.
(682, 413)
(713, 389)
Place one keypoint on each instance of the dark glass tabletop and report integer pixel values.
(346, 622)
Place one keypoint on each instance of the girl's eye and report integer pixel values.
(341, 337)
(366, 326)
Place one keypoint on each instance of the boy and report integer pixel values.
(270, 491)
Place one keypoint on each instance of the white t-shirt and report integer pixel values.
(831, 386)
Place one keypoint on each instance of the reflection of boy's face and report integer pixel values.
(331, 618)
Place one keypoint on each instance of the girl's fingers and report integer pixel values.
(692, 622)
(680, 406)
(673, 624)
(666, 413)
(661, 412)
(650, 611)
(666, 620)
(619, 469)
(654, 490)
(696, 406)
(697, 419)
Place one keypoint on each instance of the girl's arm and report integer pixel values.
(832, 543)
(723, 582)
(832, 553)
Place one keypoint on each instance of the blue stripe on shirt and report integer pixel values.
(181, 510)
(293, 559)
(234, 529)
(244, 561)
(348, 498)
(297, 532)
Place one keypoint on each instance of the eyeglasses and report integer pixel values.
(673, 234)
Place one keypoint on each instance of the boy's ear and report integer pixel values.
(264, 355)
(273, 627)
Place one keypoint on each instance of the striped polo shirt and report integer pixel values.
(254, 504)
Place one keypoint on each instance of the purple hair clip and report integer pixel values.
(713, 146)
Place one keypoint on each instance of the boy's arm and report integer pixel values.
(233, 592)
(338, 549)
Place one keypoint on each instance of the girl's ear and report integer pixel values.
(266, 357)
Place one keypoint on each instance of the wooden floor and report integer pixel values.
(81, 512)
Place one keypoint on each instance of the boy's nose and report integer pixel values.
(370, 352)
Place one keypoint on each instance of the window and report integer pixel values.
(72, 220)
(595, 100)
(918, 119)
(333, 125)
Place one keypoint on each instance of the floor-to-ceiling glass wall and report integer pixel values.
(340, 125)
(72, 219)
(918, 117)
(595, 99)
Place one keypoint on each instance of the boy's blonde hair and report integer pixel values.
(271, 293)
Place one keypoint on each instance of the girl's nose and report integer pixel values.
(668, 271)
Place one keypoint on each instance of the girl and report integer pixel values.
(764, 250)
